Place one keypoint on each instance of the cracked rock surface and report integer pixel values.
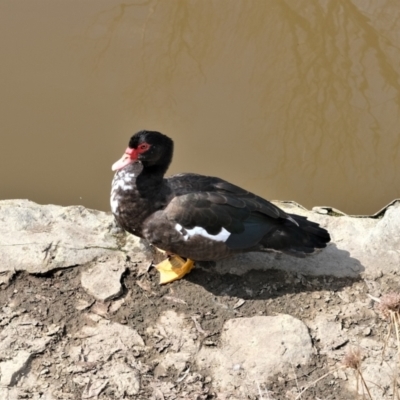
(83, 316)
(258, 348)
(38, 239)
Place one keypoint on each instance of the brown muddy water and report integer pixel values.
(290, 99)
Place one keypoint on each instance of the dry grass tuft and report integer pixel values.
(389, 304)
(389, 308)
(353, 359)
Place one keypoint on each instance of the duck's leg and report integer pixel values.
(174, 268)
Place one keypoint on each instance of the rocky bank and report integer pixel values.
(83, 316)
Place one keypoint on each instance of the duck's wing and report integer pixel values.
(233, 195)
(239, 222)
(222, 211)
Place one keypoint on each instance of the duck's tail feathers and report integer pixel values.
(295, 240)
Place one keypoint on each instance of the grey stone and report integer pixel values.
(11, 370)
(103, 280)
(255, 349)
(38, 238)
(18, 350)
(107, 347)
(329, 334)
(103, 339)
(178, 337)
(125, 378)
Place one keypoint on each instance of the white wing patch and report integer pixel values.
(222, 236)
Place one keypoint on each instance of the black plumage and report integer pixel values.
(200, 217)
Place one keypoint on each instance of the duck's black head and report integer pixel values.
(153, 149)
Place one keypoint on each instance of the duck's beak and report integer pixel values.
(129, 157)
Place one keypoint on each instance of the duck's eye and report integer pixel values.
(144, 147)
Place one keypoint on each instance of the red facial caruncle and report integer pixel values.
(130, 156)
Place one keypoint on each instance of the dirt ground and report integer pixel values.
(208, 300)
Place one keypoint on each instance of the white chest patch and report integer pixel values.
(222, 236)
(114, 203)
(122, 181)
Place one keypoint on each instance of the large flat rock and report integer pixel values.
(255, 349)
(40, 238)
(360, 246)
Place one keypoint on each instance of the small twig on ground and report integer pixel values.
(316, 381)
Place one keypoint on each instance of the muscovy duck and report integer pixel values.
(200, 218)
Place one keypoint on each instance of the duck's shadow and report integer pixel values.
(262, 276)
